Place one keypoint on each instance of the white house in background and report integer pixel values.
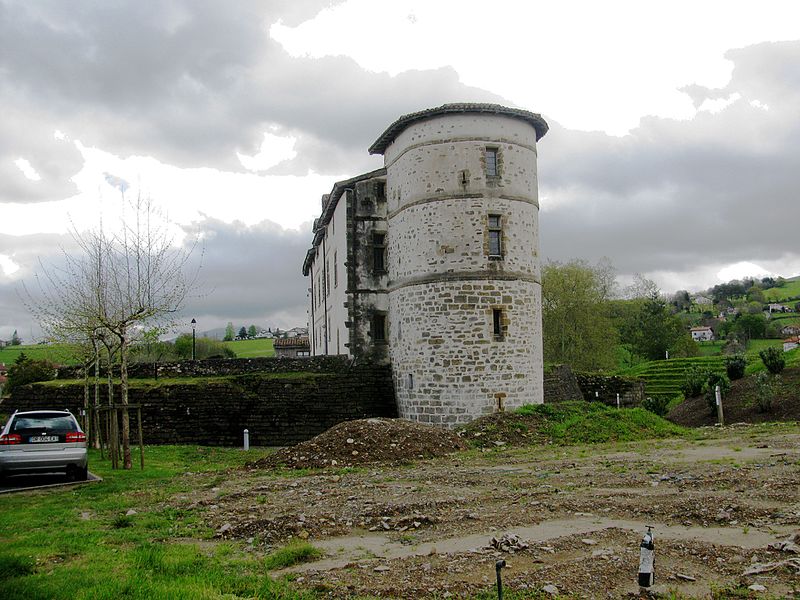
(702, 334)
(791, 343)
(703, 300)
(779, 308)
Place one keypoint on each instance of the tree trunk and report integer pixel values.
(123, 386)
(86, 428)
(96, 423)
(113, 438)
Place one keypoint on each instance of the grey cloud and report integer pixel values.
(193, 82)
(675, 195)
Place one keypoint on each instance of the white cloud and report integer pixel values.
(24, 165)
(274, 149)
(7, 265)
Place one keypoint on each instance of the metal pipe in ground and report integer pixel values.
(498, 566)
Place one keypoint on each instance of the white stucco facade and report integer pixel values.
(461, 295)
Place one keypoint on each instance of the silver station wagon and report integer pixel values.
(43, 441)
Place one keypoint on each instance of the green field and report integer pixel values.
(251, 348)
(60, 354)
(783, 294)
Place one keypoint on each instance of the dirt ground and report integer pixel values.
(578, 513)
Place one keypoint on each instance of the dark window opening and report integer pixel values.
(491, 162)
(379, 253)
(497, 322)
(378, 328)
(495, 236)
(380, 191)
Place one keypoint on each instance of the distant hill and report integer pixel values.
(789, 292)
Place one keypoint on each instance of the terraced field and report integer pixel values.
(664, 377)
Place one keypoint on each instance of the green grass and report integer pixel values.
(790, 290)
(149, 383)
(252, 348)
(291, 555)
(572, 423)
(48, 551)
(61, 354)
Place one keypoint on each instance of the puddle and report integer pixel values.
(344, 550)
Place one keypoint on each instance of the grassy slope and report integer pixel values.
(568, 423)
(782, 294)
(252, 348)
(59, 554)
(58, 353)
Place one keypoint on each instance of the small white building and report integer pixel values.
(703, 300)
(702, 334)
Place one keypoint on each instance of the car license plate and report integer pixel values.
(43, 438)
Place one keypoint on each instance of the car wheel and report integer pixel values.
(82, 474)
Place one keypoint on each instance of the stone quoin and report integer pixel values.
(432, 265)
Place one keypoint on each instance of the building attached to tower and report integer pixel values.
(432, 263)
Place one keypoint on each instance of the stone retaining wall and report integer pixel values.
(278, 409)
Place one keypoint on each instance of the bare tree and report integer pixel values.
(119, 284)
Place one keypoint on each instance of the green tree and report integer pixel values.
(577, 329)
(228, 332)
(15, 339)
(26, 370)
(750, 326)
(647, 327)
(242, 332)
(252, 331)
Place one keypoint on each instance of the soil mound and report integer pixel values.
(740, 404)
(501, 429)
(367, 441)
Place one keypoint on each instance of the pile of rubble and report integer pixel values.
(366, 441)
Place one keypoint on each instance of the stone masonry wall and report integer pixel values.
(448, 366)
(276, 409)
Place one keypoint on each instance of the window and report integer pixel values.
(379, 253)
(335, 270)
(380, 191)
(495, 236)
(379, 328)
(491, 162)
(497, 323)
(328, 278)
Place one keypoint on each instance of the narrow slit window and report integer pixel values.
(378, 328)
(335, 270)
(491, 162)
(379, 253)
(380, 191)
(497, 322)
(495, 236)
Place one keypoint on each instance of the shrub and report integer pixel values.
(772, 358)
(765, 390)
(657, 404)
(735, 365)
(709, 390)
(695, 378)
(25, 370)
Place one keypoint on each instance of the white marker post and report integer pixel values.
(720, 416)
(246, 440)
(617, 399)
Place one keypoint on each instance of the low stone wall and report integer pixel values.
(561, 385)
(604, 388)
(226, 366)
(277, 409)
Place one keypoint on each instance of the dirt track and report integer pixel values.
(425, 530)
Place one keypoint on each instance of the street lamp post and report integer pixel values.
(194, 327)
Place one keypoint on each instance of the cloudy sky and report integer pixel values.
(674, 143)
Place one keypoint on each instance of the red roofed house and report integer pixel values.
(791, 343)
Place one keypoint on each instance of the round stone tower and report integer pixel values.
(464, 318)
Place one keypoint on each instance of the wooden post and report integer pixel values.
(720, 416)
(141, 436)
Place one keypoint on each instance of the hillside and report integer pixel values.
(664, 377)
(788, 292)
(61, 354)
(740, 404)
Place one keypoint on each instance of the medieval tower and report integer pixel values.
(459, 299)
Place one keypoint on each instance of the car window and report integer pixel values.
(44, 422)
